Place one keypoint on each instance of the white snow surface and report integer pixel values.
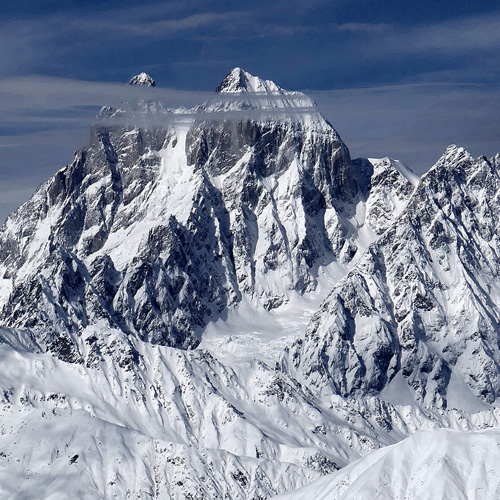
(427, 465)
(247, 332)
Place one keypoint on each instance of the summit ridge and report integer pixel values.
(238, 80)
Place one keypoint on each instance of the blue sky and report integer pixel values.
(402, 79)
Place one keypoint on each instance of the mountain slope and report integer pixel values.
(117, 462)
(422, 301)
(427, 465)
(180, 423)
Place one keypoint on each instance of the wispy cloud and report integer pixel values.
(164, 27)
(416, 122)
(45, 119)
(56, 93)
(368, 28)
(454, 36)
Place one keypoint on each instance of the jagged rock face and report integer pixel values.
(389, 185)
(421, 301)
(276, 183)
(155, 229)
(68, 282)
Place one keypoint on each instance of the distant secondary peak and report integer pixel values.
(142, 79)
(238, 80)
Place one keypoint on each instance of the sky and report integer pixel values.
(395, 78)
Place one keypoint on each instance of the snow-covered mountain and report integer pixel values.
(157, 229)
(238, 80)
(422, 302)
(170, 423)
(232, 307)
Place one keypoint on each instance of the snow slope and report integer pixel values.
(180, 423)
(427, 465)
(60, 454)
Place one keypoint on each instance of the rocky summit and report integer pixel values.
(231, 307)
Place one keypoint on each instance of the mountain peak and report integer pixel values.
(455, 154)
(142, 79)
(238, 80)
